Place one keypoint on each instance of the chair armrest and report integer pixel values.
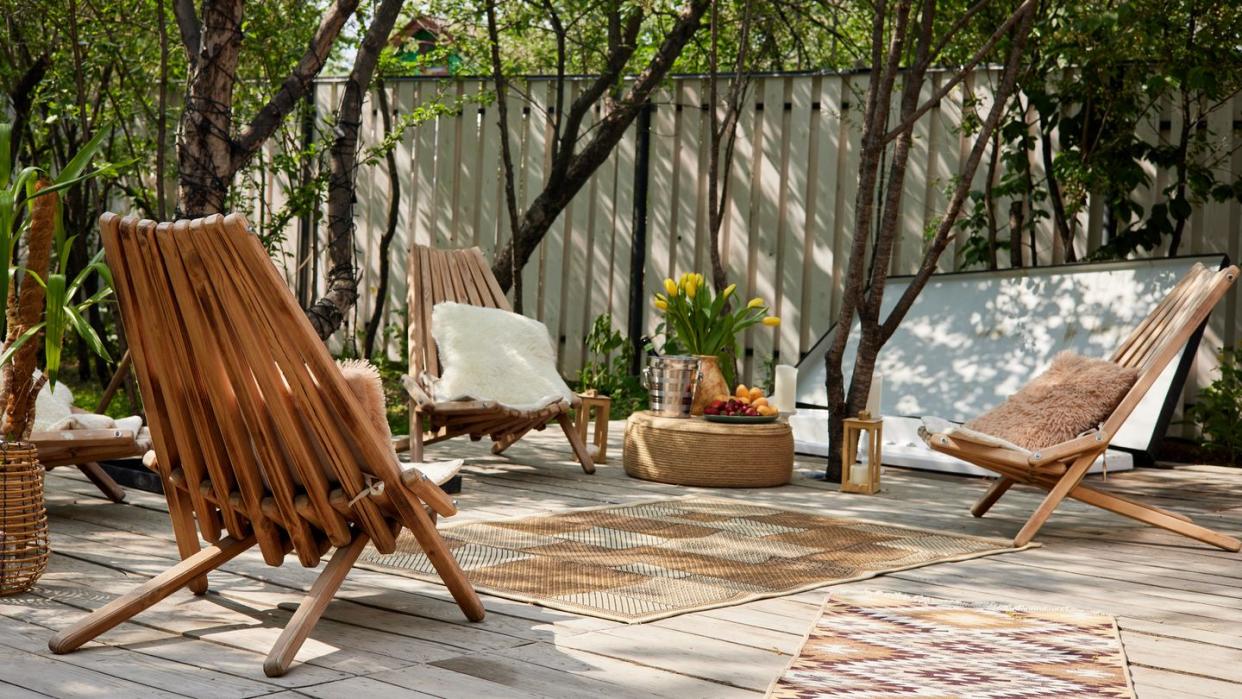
(415, 391)
(1095, 440)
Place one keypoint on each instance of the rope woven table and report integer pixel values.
(692, 451)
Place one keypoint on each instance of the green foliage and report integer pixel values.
(63, 312)
(1218, 412)
(607, 369)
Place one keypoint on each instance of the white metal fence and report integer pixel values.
(786, 234)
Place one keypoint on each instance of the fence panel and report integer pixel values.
(787, 223)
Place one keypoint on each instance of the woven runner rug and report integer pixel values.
(869, 645)
(640, 562)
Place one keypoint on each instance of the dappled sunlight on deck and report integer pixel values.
(384, 635)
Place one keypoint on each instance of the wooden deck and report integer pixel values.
(1179, 604)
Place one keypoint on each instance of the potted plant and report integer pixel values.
(700, 322)
(40, 302)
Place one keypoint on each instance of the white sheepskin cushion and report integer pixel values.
(51, 406)
(490, 354)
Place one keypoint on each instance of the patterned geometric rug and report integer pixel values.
(869, 645)
(640, 562)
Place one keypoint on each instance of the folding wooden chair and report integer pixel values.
(464, 276)
(85, 449)
(1060, 468)
(257, 438)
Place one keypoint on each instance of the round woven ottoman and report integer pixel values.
(693, 451)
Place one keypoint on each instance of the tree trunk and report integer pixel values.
(390, 231)
(575, 168)
(328, 313)
(208, 154)
(863, 295)
(205, 153)
(1016, 222)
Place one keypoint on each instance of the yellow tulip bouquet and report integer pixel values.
(696, 319)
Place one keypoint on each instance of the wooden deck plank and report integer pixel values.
(1176, 602)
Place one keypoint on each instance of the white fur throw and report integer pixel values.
(490, 354)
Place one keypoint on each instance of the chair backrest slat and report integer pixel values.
(245, 402)
(1164, 333)
(436, 275)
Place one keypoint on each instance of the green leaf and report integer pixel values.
(73, 170)
(17, 344)
(86, 332)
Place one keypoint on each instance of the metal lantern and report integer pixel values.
(857, 476)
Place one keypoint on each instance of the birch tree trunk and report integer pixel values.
(328, 313)
(895, 32)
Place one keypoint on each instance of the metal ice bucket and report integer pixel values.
(670, 383)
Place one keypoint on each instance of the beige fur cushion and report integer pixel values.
(364, 381)
(1074, 395)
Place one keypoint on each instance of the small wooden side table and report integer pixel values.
(695, 452)
(600, 405)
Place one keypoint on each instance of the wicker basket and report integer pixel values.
(699, 453)
(23, 518)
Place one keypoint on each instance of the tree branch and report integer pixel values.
(1025, 15)
(611, 128)
(328, 313)
(296, 83)
(191, 32)
(1027, 8)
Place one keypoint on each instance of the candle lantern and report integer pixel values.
(858, 476)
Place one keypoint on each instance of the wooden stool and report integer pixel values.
(601, 405)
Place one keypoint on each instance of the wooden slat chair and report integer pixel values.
(463, 276)
(85, 449)
(1059, 469)
(257, 438)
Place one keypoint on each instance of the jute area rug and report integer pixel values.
(869, 645)
(640, 562)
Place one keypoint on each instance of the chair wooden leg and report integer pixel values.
(998, 489)
(508, 440)
(580, 450)
(446, 565)
(181, 512)
(416, 437)
(148, 594)
(110, 488)
(1155, 516)
(1070, 480)
(313, 606)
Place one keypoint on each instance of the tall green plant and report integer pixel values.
(17, 190)
(607, 368)
(62, 312)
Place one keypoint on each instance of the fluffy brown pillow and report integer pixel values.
(364, 382)
(1074, 395)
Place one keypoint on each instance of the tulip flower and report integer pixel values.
(692, 287)
(670, 286)
(771, 321)
(728, 290)
(660, 304)
(755, 303)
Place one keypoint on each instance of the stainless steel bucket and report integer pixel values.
(670, 383)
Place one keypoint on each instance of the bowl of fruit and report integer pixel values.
(746, 405)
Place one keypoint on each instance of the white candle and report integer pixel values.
(875, 394)
(858, 473)
(784, 397)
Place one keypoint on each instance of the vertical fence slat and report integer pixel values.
(623, 230)
(689, 125)
(796, 163)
